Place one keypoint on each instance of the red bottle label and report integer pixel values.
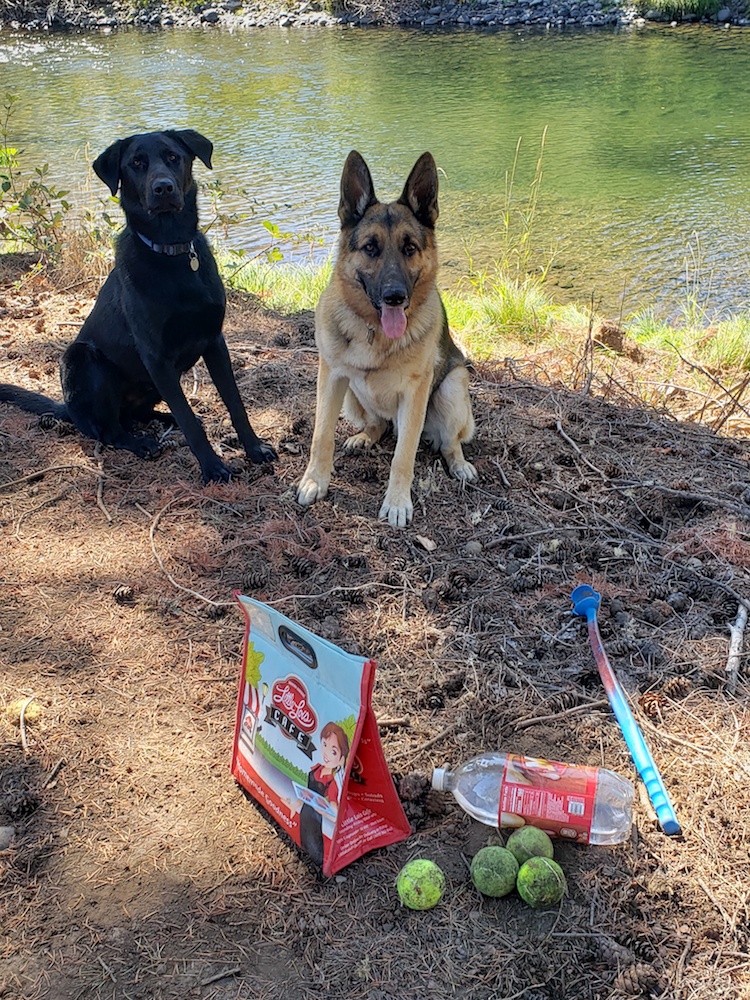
(558, 798)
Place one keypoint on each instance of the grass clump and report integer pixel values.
(287, 288)
(680, 10)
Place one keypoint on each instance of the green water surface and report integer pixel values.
(646, 163)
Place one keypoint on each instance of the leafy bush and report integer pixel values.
(31, 210)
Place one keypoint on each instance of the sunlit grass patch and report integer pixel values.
(288, 288)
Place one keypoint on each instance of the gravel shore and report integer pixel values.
(471, 14)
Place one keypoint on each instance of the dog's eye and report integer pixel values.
(371, 248)
(410, 248)
(172, 157)
(138, 162)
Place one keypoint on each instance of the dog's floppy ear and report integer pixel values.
(420, 192)
(107, 165)
(196, 143)
(357, 191)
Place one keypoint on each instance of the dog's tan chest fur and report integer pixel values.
(381, 373)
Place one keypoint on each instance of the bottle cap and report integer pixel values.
(438, 778)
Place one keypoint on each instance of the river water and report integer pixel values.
(644, 197)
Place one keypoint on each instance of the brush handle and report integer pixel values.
(640, 753)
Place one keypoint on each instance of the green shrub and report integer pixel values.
(32, 211)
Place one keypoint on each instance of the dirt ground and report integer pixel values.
(139, 869)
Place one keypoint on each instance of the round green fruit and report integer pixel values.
(494, 871)
(420, 884)
(541, 882)
(529, 842)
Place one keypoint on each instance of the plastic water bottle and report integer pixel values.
(590, 805)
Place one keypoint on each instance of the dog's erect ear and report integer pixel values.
(420, 192)
(196, 143)
(107, 165)
(357, 191)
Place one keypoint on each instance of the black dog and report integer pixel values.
(160, 309)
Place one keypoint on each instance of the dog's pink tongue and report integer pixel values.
(393, 321)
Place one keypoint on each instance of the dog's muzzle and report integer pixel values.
(164, 196)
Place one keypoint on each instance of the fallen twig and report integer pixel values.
(404, 722)
(575, 447)
(54, 773)
(25, 705)
(162, 567)
(707, 498)
(436, 739)
(737, 632)
(716, 382)
(100, 483)
(234, 971)
(106, 968)
(49, 502)
(43, 472)
(575, 710)
(503, 477)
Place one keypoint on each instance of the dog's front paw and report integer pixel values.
(145, 446)
(464, 471)
(216, 471)
(312, 488)
(358, 442)
(397, 510)
(261, 453)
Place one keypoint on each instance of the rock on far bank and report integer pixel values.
(476, 14)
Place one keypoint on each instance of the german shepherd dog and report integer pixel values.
(385, 351)
(158, 312)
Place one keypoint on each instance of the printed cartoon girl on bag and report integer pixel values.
(319, 801)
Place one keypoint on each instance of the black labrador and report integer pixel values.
(158, 312)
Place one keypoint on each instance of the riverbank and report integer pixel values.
(71, 15)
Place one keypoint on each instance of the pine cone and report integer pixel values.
(432, 697)
(620, 647)
(676, 687)
(123, 594)
(434, 803)
(642, 948)
(461, 617)
(615, 954)
(651, 702)
(351, 595)
(299, 565)
(561, 702)
(652, 615)
(412, 787)
(490, 648)
(254, 579)
(636, 979)
(651, 652)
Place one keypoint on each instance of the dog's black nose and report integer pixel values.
(162, 186)
(394, 295)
